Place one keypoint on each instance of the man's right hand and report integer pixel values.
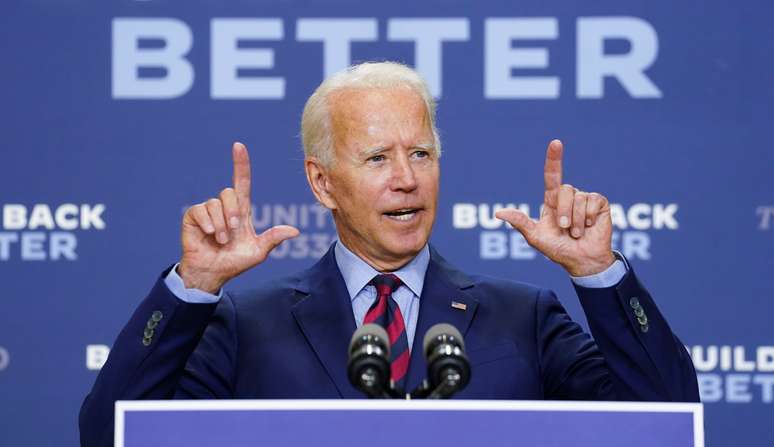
(218, 237)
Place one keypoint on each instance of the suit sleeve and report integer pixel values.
(169, 348)
(634, 355)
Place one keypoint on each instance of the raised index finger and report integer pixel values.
(552, 172)
(241, 173)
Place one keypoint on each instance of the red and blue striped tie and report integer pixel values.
(385, 312)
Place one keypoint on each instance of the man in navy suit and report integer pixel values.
(372, 158)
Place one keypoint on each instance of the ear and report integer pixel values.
(317, 175)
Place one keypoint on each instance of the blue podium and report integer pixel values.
(380, 423)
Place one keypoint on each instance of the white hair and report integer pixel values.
(315, 121)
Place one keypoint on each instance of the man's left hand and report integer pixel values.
(574, 229)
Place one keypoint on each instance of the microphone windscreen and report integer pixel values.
(442, 329)
(370, 332)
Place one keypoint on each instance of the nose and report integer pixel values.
(403, 176)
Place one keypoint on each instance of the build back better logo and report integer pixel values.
(43, 232)
(633, 228)
(734, 374)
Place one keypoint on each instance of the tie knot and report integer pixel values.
(386, 283)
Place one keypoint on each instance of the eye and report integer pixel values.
(376, 158)
(420, 154)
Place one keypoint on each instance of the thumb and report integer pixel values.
(518, 220)
(269, 239)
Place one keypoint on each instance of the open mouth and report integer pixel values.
(403, 215)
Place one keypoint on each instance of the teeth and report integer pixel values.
(403, 217)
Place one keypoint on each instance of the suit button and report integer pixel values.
(643, 320)
(644, 328)
(157, 315)
(146, 341)
(639, 312)
(152, 324)
(634, 302)
(148, 333)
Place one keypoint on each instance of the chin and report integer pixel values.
(406, 246)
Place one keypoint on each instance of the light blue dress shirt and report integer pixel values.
(357, 274)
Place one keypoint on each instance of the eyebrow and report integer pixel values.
(425, 146)
(371, 151)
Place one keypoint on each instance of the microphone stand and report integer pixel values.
(370, 380)
(444, 390)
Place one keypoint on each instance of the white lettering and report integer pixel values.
(5, 358)
(618, 216)
(464, 216)
(6, 239)
(96, 356)
(32, 246)
(593, 65)
(764, 357)
(62, 245)
(767, 387)
(637, 215)
(520, 249)
(493, 245)
(738, 388)
(92, 217)
(740, 361)
(710, 387)
(128, 58)
(66, 216)
(227, 59)
(299, 215)
(635, 244)
(336, 36)
(14, 216)
(264, 220)
(664, 216)
(429, 35)
(765, 212)
(725, 358)
(41, 217)
(150, 55)
(702, 363)
(487, 219)
(500, 58)
(285, 215)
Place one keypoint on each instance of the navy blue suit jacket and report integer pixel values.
(289, 338)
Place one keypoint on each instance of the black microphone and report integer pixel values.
(448, 369)
(369, 361)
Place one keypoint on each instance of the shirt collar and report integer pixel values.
(357, 273)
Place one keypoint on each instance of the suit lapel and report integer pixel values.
(326, 319)
(443, 285)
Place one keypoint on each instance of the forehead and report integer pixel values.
(378, 113)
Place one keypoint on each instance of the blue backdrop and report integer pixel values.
(118, 114)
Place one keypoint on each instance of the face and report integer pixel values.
(382, 186)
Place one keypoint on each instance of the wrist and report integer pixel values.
(198, 279)
(591, 267)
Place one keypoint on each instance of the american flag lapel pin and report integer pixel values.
(458, 305)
